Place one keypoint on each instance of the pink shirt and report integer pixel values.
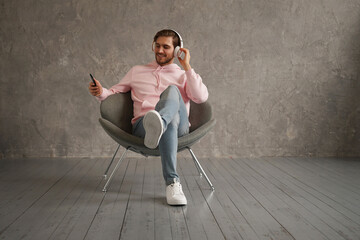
(147, 82)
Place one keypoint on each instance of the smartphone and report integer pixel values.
(92, 78)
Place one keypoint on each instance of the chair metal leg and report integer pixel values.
(198, 166)
(114, 170)
(197, 163)
(105, 174)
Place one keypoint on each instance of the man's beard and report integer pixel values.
(162, 60)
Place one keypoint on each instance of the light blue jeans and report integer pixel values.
(171, 108)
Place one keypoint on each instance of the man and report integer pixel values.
(161, 93)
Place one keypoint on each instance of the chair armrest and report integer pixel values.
(194, 136)
(127, 140)
(123, 138)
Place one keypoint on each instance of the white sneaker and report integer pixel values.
(174, 194)
(154, 128)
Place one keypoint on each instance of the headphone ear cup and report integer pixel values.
(176, 51)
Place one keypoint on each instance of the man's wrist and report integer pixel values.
(187, 67)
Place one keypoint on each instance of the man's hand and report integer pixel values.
(186, 62)
(95, 90)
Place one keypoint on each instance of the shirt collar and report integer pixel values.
(168, 66)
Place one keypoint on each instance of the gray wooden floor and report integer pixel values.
(273, 198)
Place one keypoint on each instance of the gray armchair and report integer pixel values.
(116, 114)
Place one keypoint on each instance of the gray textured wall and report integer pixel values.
(283, 75)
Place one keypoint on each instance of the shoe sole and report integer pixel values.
(177, 203)
(153, 129)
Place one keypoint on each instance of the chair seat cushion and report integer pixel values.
(136, 144)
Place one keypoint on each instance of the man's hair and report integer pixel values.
(168, 33)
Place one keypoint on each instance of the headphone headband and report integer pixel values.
(179, 36)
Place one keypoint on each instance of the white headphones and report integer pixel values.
(177, 51)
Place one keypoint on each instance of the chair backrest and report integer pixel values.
(118, 109)
(199, 114)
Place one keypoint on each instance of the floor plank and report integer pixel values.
(325, 178)
(324, 187)
(204, 225)
(35, 216)
(265, 198)
(109, 219)
(134, 214)
(338, 222)
(242, 195)
(292, 215)
(248, 225)
(161, 213)
(19, 194)
(72, 217)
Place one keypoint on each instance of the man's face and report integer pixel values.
(164, 50)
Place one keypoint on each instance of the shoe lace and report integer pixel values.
(177, 188)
